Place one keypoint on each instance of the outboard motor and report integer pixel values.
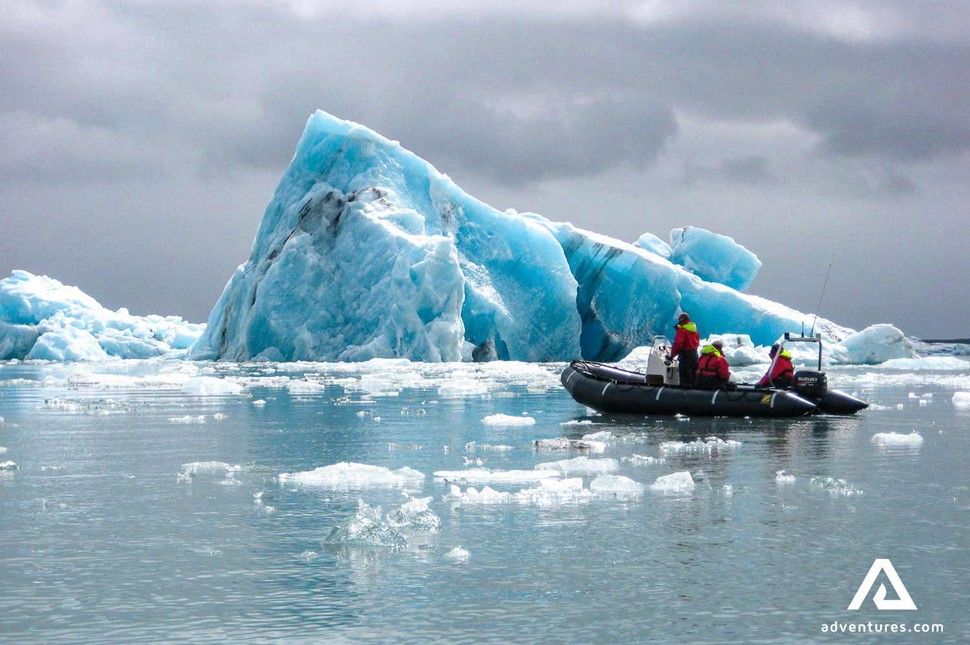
(809, 383)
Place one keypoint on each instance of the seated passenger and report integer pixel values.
(712, 368)
(780, 374)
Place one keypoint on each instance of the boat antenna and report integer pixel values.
(819, 305)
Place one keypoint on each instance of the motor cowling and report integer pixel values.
(810, 383)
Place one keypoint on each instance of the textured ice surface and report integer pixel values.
(487, 476)
(897, 439)
(680, 483)
(40, 318)
(874, 344)
(414, 515)
(349, 475)
(508, 420)
(366, 250)
(713, 257)
(8, 465)
(943, 363)
(961, 400)
(547, 492)
(581, 466)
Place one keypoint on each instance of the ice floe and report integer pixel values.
(563, 443)
(487, 476)
(210, 386)
(783, 477)
(680, 483)
(709, 446)
(835, 486)
(350, 475)
(507, 420)
(618, 485)
(187, 419)
(457, 554)
(897, 439)
(581, 466)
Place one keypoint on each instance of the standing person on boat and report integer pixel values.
(685, 345)
(781, 371)
(712, 368)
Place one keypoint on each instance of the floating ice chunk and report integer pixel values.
(259, 403)
(923, 403)
(616, 485)
(961, 400)
(414, 515)
(367, 529)
(472, 446)
(210, 386)
(554, 491)
(562, 443)
(897, 439)
(709, 446)
(487, 495)
(40, 318)
(603, 435)
(581, 466)
(835, 486)
(209, 468)
(350, 475)
(680, 483)
(784, 478)
(506, 420)
(463, 387)
(187, 419)
(486, 476)
(457, 554)
(874, 344)
(219, 416)
(8, 465)
(577, 422)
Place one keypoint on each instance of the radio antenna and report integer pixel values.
(819, 305)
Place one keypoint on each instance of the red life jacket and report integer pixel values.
(712, 365)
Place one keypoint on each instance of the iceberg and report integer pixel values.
(367, 251)
(41, 318)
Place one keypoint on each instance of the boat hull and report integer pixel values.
(615, 391)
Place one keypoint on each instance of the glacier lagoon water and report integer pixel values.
(115, 528)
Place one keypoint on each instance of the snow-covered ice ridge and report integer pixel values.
(40, 318)
(366, 250)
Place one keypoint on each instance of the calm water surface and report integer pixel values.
(101, 540)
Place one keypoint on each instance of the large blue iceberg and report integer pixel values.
(367, 251)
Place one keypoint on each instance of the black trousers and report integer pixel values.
(688, 365)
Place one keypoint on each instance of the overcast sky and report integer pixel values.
(141, 141)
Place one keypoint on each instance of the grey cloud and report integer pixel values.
(751, 170)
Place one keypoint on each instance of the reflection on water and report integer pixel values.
(118, 524)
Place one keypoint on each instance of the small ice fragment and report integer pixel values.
(219, 416)
(644, 460)
(603, 435)
(3, 450)
(784, 478)
(577, 422)
(923, 403)
(457, 554)
(259, 403)
(462, 387)
(897, 439)
(835, 486)
(486, 476)
(680, 483)
(562, 443)
(8, 465)
(506, 420)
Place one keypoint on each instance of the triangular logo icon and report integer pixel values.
(903, 601)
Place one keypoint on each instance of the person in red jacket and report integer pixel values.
(712, 368)
(780, 374)
(686, 340)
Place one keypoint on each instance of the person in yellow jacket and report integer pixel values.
(712, 368)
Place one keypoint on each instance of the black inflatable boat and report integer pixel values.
(617, 391)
